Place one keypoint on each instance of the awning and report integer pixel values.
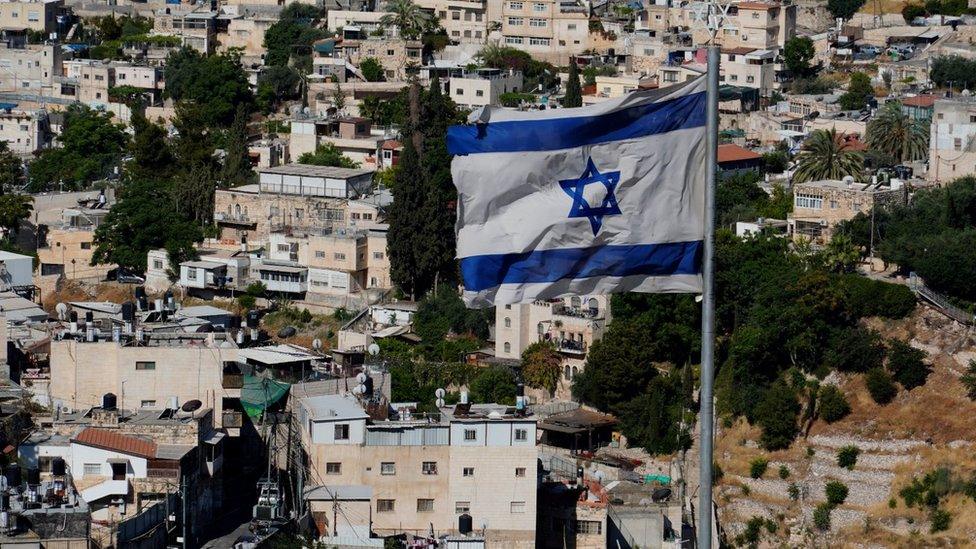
(215, 438)
(118, 461)
(260, 393)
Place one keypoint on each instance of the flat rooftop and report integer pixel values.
(326, 407)
(310, 170)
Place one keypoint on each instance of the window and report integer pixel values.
(458, 91)
(515, 21)
(755, 15)
(157, 264)
(455, 16)
(957, 143)
(538, 23)
(750, 79)
(514, 5)
(385, 505)
(145, 365)
(521, 435)
(538, 6)
(594, 527)
(508, 322)
(833, 204)
(808, 201)
(479, 93)
(284, 248)
(470, 434)
(86, 245)
(538, 41)
(461, 507)
(508, 347)
(520, 471)
(191, 273)
(147, 403)
(93, 469)
(387, 468)
(429, 468)
(377, 255)
(571, 26)
(342, 432)
(518, 507)
(425, 506)
(333, 468)
(467, 472)
(972, 119)
(508, 307)
(319, 254)
(513, 39)
(339, 256)
(33, 16)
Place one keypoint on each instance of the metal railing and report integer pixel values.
(940, 302)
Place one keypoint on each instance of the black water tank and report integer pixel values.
(140, 292)
(73, 316)
(235, 321)
(369, 385)
(109, 401)
(143, 303)
(4, 501)
(253, 319)
(12, 474)
(33, 476)
(89, 317)
(58, 467)
(520, 390)
(128, 311)
(287, 331)
(465, 524)
(660, 494)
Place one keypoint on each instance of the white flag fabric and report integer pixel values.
(594, 200)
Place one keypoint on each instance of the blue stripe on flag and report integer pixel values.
(566, 133)
(481, 272)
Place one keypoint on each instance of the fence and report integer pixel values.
(939, 301)
(131, 530)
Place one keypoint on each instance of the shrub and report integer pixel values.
(717, 472)
(810, 451)
(777, 414)
(833, 405)
(854, 350)
(969, 380)
(941, 519)
(784, 472)
(821, 517)
(911, 11)
(793, 491)
(881, 386)
(750, 535)
(757, 467)
(836, 492)
(907, 364)
(867, 297)
(892, 503)
(246, 301)
(847, 456)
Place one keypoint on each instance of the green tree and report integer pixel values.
(372, 69)
(276, 84)
(150, 151)
(14, 208)
(403, 236)
(836, 492)
(91, 148)
(11, 169)
(797, 54)
(237, 168)
(197, 172)
(289, 40)
(841, 255)
(858, 90)
(327, 154)
(216, 83)
(658, 420)
(880, 385)
(758, 466)
(443, 313)
(826, 154)
(958, 71)
(409, 18)
(847, 456)
(574, 93)
(541, 365)
(893, 133)
(907, 364)
(832, 404)
(821, 516)
(494, 385)
(844, 9)
(910, 11)
(940, 521)
(777, 415)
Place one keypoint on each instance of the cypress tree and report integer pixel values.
(574, 92)
(237, 170)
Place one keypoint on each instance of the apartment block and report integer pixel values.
(35, 15)
(25, 132)
(819, 206)
(66, 249)
(550, 30)
(394, 54)
(750, 68)
(196, 26)
(752, 24)
(353, 136)
(466, 21)
(952, 142)
(33, 68)
(481, 87)
(411, 472)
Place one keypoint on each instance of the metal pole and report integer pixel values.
(708, 307)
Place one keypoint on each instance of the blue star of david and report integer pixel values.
(582, 208)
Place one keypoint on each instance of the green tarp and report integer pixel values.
(258, 393)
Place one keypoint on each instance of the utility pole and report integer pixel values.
(335, 513)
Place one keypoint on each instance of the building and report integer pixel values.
(466, 21)
(733, 159)
(572, 324)
(29, 68)
(819, 206)
(919, 107)
(299, 197)
(394, 54)
(413, 473)
(339, 262)
(749, 67)
(481, 87)
(550, 30)
(355, 137)
(35, 15)
(195, 26)
(755, 24)
(66, 249)
(952, 145)
(25, 132)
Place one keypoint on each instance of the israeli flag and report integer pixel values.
(600, 199)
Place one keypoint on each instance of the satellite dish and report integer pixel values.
(373, 349)
(439, 402)
(357, 390)
(361, 377)
(439, 393)
(317, 344)
(191, 406)
(62, 310)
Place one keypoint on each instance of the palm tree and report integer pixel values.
(826, 154)
(408, 17)
(893, 133)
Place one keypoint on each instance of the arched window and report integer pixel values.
(568, 374)
(540, 328)
(237, 209)
(508, 322)
(594, 306)
(575, 371)
(508, 347)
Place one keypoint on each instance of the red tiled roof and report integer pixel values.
(392, 145)
(740, 50)
(735, 153)
(919, 101)
(117, 442)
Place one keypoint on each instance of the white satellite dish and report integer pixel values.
(361, 377)
(358, 389)
(62, 310)
(439, 393)
(373, 349)
(317, 344)
(439, 403)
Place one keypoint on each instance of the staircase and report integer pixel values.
(940, 302)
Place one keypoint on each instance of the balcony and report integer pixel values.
(163, 473)
(571, 346)
(576, 312)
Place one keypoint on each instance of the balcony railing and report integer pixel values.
(163, 473)
(576, 312)
(571, 346)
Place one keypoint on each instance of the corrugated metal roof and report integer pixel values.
(110, 440)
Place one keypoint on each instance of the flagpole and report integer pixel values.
(708, 306)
